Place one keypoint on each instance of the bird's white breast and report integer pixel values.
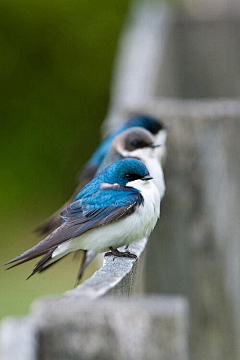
(156, 171)
(150, 158)
(124, 231)
(160, 139)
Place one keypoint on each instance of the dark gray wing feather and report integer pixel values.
(78, 225)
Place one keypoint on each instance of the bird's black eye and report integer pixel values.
(136, 144)
(132, 177)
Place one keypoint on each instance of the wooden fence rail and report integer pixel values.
(192, 62)
(94, 322)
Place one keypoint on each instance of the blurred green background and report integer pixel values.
(55, 71)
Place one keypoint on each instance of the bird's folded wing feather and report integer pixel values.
(99, 208)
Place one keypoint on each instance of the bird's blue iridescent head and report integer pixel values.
(124, 171)
(121, 172)
(144, 121)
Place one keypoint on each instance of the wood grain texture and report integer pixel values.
(195, 249)
(153, 328)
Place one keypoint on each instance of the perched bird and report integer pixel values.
(137, 143)
(119, 206)
(156, 128)
(159, 130)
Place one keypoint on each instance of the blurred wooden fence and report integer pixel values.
(186, 71)
(183, 69)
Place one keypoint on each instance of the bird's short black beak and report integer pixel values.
(154, 145)
(146, 177)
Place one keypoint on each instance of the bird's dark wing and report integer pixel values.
(55, 220)
(109, 204)
(51, 223)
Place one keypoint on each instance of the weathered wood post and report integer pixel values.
(195, 249)
(98, 321)
(196, 246)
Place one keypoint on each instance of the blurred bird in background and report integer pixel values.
(136, 142)
(119, 206)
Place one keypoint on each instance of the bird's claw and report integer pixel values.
(115, 252)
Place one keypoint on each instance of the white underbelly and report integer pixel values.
(151, 158)
(156, 171)
(122, 232)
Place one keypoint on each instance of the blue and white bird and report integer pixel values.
(156, 128)
(139, 143)
(119, 206)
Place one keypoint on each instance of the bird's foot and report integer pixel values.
(115, 252)
(82, 267)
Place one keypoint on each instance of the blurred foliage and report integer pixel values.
(55, 69)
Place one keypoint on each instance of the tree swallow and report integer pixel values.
(157, 129)
(137, 143)
(119, 206)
